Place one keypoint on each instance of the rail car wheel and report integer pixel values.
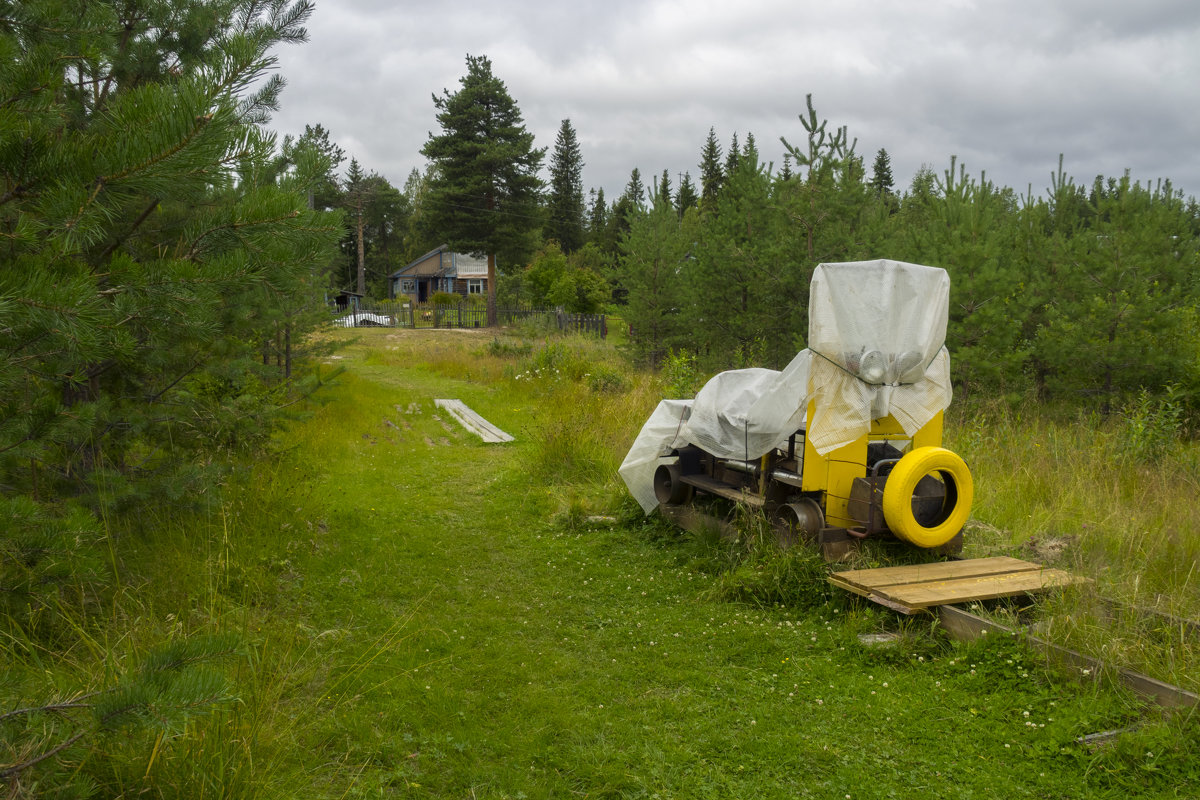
(799, 522)
(668, 489)
(927, 497)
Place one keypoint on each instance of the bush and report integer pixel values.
(681, 379)
(446, 299)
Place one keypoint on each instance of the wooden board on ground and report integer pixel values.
(914, 587)
(473, 422)
(961, 624)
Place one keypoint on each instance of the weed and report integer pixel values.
(1151, 425)
(508, 348)
(680, 376)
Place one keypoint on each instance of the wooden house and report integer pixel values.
(439, 270)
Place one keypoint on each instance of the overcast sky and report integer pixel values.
(1005, 86)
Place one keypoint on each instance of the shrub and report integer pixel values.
(681, 379)
(445, 299)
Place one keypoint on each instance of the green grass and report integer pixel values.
(426, 616)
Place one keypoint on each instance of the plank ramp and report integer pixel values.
(915, 587)
(472, 421)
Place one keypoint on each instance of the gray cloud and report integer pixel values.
(1005, 87)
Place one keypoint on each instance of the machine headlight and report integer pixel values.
(872, 367)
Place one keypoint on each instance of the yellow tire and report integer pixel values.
(936, 529)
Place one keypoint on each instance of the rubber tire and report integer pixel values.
(902, 483)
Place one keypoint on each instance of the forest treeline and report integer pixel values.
(1086, 293)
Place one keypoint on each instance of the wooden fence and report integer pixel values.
(406, 314)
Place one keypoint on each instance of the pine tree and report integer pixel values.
(485, 193)
(651, 275)
(711, 173)
(152, 250)
(322, 185)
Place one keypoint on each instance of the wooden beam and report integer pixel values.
(963, 625)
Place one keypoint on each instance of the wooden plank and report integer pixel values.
(942, 570)
(984, 587)
(721, 489)
(473, 422)
(964, 625)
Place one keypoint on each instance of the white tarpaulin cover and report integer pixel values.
(876, 333)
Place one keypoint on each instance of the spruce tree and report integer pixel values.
(663, 190)
(711, 172)
(881, 175)
(732, 156)
(785, 173)
(566, 223)
(485, 192)
(750, 150)
(635, 190)
(686, 196)
(597, 214)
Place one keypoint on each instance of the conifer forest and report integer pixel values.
(167, 261)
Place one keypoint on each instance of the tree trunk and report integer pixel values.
(492, 317)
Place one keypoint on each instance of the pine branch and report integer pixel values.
(137, 223)
(13, 769)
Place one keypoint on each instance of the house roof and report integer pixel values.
(442, 262)
(430, 264)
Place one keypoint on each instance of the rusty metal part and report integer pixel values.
(865, 504)
(669, 489)
(801, 520)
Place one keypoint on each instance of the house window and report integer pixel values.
(475, 285)
(408, 286)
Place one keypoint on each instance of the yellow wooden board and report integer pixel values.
(914, 587)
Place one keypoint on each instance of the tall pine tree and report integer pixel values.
(485, 192)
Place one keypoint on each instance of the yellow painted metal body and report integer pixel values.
(834, 473)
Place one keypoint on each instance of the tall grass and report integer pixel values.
(417, 614)
(1081, 493)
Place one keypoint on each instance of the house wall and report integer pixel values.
(441, 271)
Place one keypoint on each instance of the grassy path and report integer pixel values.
(433, 626)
